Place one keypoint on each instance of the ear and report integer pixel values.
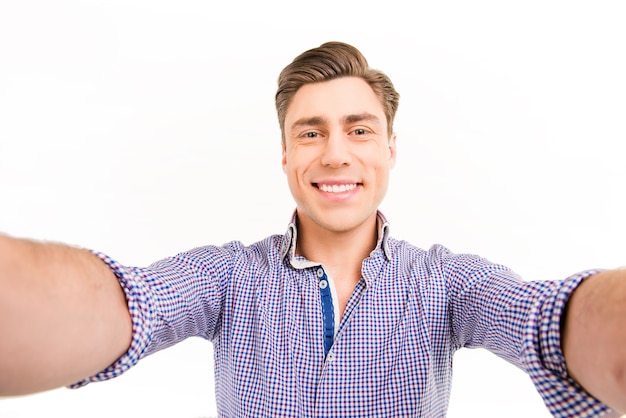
(284, 159)
(392, 150)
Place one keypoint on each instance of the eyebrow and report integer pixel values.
(311, 121)
(360, 117)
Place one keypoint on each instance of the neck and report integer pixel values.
(336, 248)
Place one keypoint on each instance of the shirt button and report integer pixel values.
(330, 357)
(320, 272)
(323, 284)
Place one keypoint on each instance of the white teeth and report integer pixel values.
(336, 188)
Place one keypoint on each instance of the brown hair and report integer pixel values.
(329, 61)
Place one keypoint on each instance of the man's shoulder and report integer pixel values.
(400, 246)
(433, 255)
(269, 247)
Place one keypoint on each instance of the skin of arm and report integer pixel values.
(63, 316)
(594, 337)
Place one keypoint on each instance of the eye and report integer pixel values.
(359, 131)
(309, 135)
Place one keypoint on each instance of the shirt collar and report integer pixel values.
(290, 238)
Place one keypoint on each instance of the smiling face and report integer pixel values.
(337, 154)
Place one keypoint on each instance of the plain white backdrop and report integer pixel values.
(144, 128)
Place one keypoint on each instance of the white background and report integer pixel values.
(143, 128)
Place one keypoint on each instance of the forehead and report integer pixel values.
(334, 99)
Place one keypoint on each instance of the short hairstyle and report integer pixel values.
(329, 61)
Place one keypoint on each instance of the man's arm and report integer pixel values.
(63, 316)
(594, 337)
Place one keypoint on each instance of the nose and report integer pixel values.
(336, 151)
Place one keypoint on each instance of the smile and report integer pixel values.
(336, 188)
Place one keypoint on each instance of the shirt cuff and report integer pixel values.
(544, 359)
(142, 315)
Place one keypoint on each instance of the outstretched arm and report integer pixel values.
(63, 316)
(594, 337)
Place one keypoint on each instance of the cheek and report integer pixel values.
(381, 174)
(296, 164)
(291, 171)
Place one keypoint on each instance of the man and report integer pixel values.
(333, 318)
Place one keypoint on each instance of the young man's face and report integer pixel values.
(337, 153)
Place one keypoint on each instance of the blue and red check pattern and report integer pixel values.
(393, 352)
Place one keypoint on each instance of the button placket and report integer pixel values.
(328, 311)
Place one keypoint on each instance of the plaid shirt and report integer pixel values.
(392, 351)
